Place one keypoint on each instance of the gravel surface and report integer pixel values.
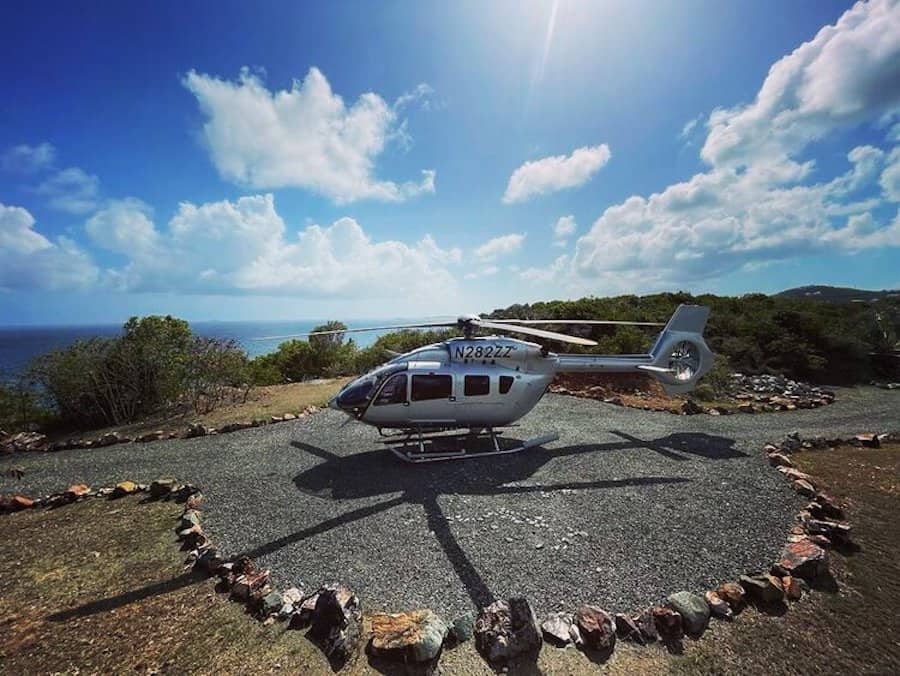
(626, 508)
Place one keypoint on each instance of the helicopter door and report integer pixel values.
(431, 399)
(391, 403)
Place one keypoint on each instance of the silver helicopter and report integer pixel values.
(480, 384)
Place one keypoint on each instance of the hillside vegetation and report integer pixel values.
(158, 364)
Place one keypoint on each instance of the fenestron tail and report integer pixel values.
(679, 357)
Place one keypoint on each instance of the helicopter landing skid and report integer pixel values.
(418, 446)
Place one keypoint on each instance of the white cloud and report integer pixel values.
(564, 228)
(690, 126)
(72, 190)
(757, 202)
(847, 74)
(124, 226)
(890, 177)
(244, 247)
(28, 159)
(302, 137)
(28, 260)
(499, 246)
(559, 172)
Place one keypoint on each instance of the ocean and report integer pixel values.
(20, 344)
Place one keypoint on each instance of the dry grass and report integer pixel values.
(261, 403)
(99, 587)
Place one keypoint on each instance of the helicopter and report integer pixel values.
(483, 384)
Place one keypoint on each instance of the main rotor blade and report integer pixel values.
(367, 328)
(540, 333)
(612, 322)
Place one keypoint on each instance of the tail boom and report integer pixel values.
(679, 358)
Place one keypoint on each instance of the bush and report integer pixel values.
(156, 364)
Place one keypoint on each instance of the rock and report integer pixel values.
(795, 474)
(124, 488)
(110, 439)
(694, 611)
(835, 531)
(732, 593)
(803, 559)
(210, 560)
(763, 589)
(335, 623)
(597, 628)
(646, 624)
(151, 436)
(248, 583)
(868, 440)
(668, 624)
(463, 627)
(416, 636)
(615, 401)
(804, 488)
(713, 411)
(25, 441)
(189, 519)
(289, 416)
(292, 595)
(196, 430)
(690, 407)
(76, 491)
(162, 487)
(270, 603)
(628, 630)
(718, 606)
(829, 507)
(194, 500)
(746, 407)
(16, 502)
(779, 459)
(505, 629)
(275, 419)
(791, 586)
(556, 629)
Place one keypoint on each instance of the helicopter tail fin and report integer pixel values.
(680, 356)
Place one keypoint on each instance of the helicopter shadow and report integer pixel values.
(379, 473)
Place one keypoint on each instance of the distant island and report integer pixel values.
(839, 294)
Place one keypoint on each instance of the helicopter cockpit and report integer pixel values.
(355, 396)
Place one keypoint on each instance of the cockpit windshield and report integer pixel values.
(357, 393)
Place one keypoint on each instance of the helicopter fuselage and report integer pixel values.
(462, 382)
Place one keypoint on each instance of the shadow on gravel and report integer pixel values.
(378, 472)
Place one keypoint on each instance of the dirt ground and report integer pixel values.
(99, 587)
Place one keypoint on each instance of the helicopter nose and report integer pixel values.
(333, 403)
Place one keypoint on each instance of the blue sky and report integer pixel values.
(352, 160)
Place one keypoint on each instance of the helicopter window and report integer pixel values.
(505, 384)
(477, 386)
(393, 392)
(431, 387)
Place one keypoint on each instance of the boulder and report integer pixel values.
(556, 629)
(289, 416)
(597, 628)
(628, 630)
(463, 627)
(270, 603)
(668, 624)
(691, 407)
(210, 560)
(791, 586)
(506, 629)
(16, 502)
(189, 519)
(780, 460)
(248, 583)
(151, 436)
(835, 531)
(76, 491)
(763, 589)
(162, 487)
(196, 430)
(646, 624)
(828, 506)
(124, 488)
(868, 440)
(718, 607)
(804, 487)
(416, 636)
(336, 623)
(803, 559)
(795, 474)
(694, 611)
(25, 441)
(732, 593)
